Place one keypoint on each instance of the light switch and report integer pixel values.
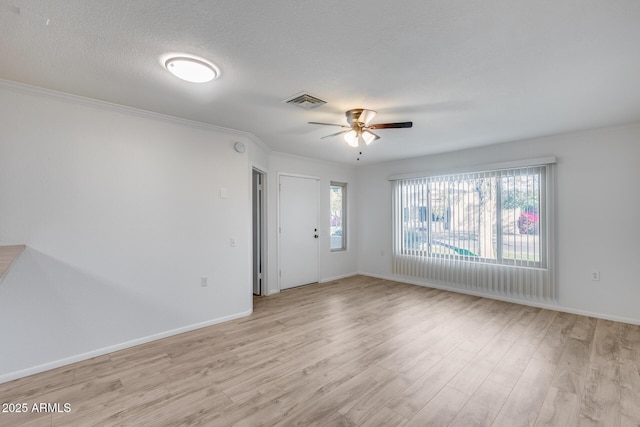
(224, 194)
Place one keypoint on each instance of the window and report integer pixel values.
(475, 228)
(489, 217)
(337, 223)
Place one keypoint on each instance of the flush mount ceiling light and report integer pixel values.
(191, 69)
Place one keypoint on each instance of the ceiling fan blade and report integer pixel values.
(327, 124)
(366, 116)
(336, 134)
(391, 125)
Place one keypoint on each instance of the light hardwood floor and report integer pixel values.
(8, 254)
(359, 351)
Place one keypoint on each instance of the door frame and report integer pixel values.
(278, 225)
(263, 231)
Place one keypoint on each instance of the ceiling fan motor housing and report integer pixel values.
(354, 115)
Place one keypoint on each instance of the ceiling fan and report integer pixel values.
(359, 130)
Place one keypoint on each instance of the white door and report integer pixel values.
(298, 231)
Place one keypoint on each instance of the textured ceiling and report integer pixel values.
(467, 73)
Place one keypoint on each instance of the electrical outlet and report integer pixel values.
(595, 276)
(204, 281)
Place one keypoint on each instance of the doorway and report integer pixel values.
(258, 227)
(298, 230)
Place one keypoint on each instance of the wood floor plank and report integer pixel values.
(385, 417)
(560, 409)
(584, 328)
(472, 376)
(358, 351)
(630, 389)
(630, 344)
(374, 399)
(552, 345)
(413, 399)
(440, 410)
(571, 371)
(528, 395)
(600, 403)
(627, 421)
(344, 396)
(607, 343)
(28, 419)
(8, 254)
(488, 331)
(517, 358)
(483, 406)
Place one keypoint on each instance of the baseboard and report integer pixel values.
(331, 279)
(530, 303)
(323, 280)
(110, 349)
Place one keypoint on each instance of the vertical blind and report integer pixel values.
(488, 231)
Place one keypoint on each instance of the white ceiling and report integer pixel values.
(467, 73)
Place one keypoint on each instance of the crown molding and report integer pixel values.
(110, 106)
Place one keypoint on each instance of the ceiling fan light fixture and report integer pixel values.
(359, 131)
(193, 70)
(368, 137)
(352, 138)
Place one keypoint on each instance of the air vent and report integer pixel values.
(306, 101)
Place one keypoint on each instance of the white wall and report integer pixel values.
(122, 215)
(332, 265)
(597, 214)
